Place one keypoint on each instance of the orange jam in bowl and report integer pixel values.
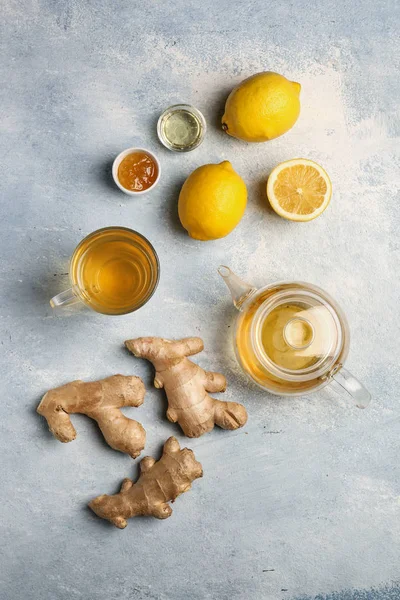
(136, 171)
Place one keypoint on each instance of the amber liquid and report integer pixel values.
(115, 270)
(137, 172)
(272, 337)
(276, 345)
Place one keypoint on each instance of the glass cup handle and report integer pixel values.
(69, 296)
(344, 380)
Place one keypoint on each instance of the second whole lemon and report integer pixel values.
(212, 201)
(262, 107)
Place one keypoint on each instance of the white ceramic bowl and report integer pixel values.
(118, 161)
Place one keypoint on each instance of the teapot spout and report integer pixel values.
(240, 290)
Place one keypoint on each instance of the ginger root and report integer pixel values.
(186, 385)
(101, 401)
(159, 482)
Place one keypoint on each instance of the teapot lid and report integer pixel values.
(299, 332)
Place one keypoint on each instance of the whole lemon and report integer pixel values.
(212, 201)
(262, 107)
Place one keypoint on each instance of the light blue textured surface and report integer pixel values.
(305, 499)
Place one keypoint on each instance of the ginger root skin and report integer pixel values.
(159, 482)
(101, 401)
(187, 385)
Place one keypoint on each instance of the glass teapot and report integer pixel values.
(291, 338)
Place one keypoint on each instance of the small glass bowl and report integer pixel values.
(191, 110)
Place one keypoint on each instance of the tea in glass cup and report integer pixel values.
(113, 271)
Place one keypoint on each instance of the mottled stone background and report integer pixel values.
(304, 501)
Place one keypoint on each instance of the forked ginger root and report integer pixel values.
(101, 401)
(186, 385)
(159, 483)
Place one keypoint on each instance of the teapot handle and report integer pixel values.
(344, 380)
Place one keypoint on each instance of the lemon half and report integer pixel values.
(299, 189)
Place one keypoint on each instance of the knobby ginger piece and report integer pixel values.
(101, 401)
(159, 482)
(187, 385)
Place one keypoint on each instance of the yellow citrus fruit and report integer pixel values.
(262, 107)
(299, 189)
(212, 201)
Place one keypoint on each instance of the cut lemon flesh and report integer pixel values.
(299, 189)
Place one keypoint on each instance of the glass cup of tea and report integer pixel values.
(113, 271)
